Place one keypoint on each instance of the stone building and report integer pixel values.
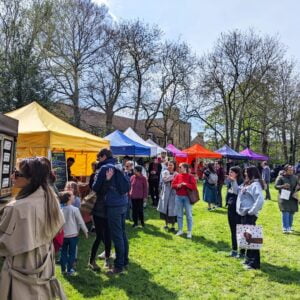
(94, 122)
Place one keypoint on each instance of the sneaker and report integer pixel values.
(289, 230)
(115, 271)
(173, 229)
(209, 209)
(72, 272)
(134, 226)
(102, 255)
(240, 256)
(189, 235)
(93, 266)
(284, 230)
(248, 268)
(166, 227)
(233, 253)
(179, 232)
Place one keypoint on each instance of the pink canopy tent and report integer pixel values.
(176, 152)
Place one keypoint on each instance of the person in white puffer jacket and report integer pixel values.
(249, 202)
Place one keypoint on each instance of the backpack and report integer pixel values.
(213, 178)
(298, 169)
(121, 182)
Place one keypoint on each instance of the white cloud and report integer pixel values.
(108, 4)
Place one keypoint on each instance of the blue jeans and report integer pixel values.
(287, 219)
(68, 253)
(116, 222)
(184, 202)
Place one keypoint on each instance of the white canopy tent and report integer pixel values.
(129, 132)
(159, 149)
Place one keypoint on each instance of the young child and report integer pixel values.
(73, 222)
(138, 192)
(72, 186)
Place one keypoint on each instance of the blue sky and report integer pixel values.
(200, 22)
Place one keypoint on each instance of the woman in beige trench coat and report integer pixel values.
(27, 228)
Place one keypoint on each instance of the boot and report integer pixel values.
(93, 266)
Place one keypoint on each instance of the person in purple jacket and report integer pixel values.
(138, 192)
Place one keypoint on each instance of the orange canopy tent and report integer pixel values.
(197, 151)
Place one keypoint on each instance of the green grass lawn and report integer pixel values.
(164, 266)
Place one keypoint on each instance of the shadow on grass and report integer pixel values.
(280, 274)
(218, 211)
(136, 283)
(216, 246)
(149, 229)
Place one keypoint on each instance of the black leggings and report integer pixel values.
(102, 234)
(154, 191)
(233, 219)
(138, 210)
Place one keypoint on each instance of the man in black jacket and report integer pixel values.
(154, 177)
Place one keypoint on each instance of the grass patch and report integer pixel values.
(164, 266)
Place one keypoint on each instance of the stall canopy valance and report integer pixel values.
(253, 155)
(120, 144)
(227, 152)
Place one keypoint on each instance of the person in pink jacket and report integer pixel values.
(138, 192)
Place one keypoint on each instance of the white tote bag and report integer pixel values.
(249, 236)
(285, 194)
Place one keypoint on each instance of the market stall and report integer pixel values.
(253, 155)
(160, 150)
(43, 134)
(122, 145)
(129, 132)
(227, 152)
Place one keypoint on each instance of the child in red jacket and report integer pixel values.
(138, 192)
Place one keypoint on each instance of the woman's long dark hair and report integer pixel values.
(253, 174)
(211, 168)
(38, 170)
(238, 171)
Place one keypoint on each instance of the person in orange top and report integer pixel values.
(181, 183)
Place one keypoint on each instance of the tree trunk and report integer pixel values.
(75, 100)
(139, 97)
(284, 144)
(109, 121)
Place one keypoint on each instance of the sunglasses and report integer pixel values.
(17, 174)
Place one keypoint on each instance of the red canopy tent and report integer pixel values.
(197, 151)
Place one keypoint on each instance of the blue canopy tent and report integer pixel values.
(120, 144)
(227, 152)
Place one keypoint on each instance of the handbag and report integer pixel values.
(88, 203)
(249, 236)
(193, 195)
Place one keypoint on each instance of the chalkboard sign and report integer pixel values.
(6, 164)
(59, 166)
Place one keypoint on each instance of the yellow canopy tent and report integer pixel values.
(40, 132)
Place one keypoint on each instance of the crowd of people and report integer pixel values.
(42, 214)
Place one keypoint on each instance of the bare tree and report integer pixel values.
(232, 73)
(142, 43)
(110, 78)
(173, 79)
(71, 43)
